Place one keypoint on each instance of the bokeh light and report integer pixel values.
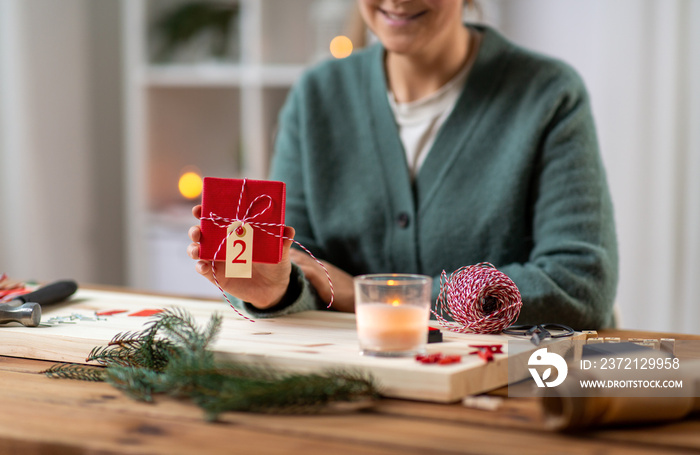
(341, 46)
(190, 185)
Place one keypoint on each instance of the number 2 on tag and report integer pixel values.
(239, 250)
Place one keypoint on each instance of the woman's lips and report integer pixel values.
(399, 19)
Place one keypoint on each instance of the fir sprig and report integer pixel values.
(73, 371)
(170, 356)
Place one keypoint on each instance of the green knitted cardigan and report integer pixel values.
(514, 178)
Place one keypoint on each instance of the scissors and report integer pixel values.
(540, 332)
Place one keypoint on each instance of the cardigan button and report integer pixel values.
(402, 220)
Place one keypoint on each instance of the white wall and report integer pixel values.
(51, 174)
(46, 161)
(108, 235)
(641, 62)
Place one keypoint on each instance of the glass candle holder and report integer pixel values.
(392, 313)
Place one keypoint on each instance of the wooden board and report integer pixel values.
(309, 341)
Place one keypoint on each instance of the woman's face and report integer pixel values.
(413, 26)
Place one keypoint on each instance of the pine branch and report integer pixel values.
(211, 330)
(138, 383)
(73, 371)
(135, 352)
(170, 356)
(126, 339)
(180, 327)
(291, 394)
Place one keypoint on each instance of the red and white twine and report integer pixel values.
(464, 293)
(223, 222)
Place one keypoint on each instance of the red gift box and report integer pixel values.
(260, 203)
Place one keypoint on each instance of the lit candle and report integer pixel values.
(392, 328)
(392, 313)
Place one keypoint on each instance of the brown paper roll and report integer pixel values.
(565, 412)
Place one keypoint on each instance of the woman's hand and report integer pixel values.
(269, 282)
(344, 292)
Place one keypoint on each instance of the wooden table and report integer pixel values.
(40, 415)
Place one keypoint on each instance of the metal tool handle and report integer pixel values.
(28, 314)
(51, 293)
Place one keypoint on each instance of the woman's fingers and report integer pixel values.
(203, 268)
(193, 250)
(312, 271)
(343, 287)
(288, 238)
(195, 233)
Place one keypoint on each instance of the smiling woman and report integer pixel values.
(425, 39)
(442, 145)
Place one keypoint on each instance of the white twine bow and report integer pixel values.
(223, 222)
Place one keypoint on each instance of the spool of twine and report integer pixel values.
(479, 299)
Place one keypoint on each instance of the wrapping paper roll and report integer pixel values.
(564, 412)
(479, 299)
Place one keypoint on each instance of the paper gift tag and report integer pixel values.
(239, 250)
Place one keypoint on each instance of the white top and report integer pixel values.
(419, 121)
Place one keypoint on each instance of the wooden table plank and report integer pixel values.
(65, 428)
(46, 414)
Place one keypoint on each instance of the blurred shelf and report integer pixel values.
(221, 75)
(215, 114)
(176, 217)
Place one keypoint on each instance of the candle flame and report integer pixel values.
(395, 303)
(391, 282)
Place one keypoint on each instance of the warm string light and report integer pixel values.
(190, 184)
(341, 46)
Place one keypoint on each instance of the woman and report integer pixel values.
(443, 145)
